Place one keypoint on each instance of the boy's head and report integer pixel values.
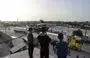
(60, 36)
(30, 29)
(44, 29)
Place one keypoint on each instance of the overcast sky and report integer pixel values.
(60, 10)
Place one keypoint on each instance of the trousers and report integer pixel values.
(62, 56)
(44, 53)
(30, 50)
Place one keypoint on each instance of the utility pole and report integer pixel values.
(85, 30)
(86, 26)
(17, 19)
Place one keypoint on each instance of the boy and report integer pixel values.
(61, 47)
(30, 43)
(44, 41)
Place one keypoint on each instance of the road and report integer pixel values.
(81, 54)
(24, 54)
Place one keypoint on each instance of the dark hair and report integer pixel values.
(30, 29)
(60, 36)
(44, 29)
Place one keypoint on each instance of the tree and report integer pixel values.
(42, 21)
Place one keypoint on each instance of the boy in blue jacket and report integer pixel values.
(61, 47)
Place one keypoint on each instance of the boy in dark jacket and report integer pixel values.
(61, 47)
(44, 41)
(30, 43)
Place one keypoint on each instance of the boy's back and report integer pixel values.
(62, 48)
(44, 40)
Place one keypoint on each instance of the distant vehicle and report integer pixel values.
(39, 26)
(53, 31)
(85, 27)
(20, 29)
(86, 40)
(14, 37)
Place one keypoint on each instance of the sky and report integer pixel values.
(48, 10)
